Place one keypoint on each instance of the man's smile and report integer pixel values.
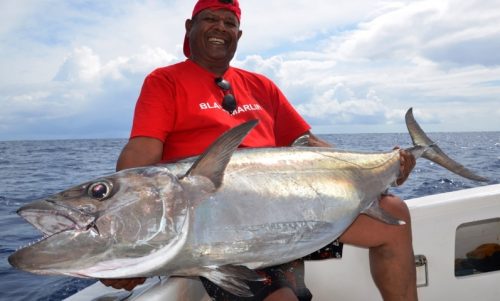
(217, 41)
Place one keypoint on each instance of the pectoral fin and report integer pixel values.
(377, 212)
(232, 278)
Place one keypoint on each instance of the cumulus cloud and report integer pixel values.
(74, 69)
(426, 53)
(84, 93)
(82, 65)
(457, 31)
(341, 105)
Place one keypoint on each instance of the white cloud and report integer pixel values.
(81, 65)
(75, 68)
(274, 24)
(423, 53)
(82, 86)
(342, 105)
(460, 31)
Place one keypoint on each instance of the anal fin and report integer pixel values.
(232, 278)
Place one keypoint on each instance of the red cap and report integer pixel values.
(231, 5)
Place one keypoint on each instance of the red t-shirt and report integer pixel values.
(181, 106)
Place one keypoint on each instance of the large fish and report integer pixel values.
(216, 215)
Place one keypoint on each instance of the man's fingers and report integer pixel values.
(406, 164)
(127, 283)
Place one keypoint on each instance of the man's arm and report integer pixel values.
(140, 151)
(314, 140)
(407, 160)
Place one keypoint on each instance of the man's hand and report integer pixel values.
(407, 160)
(126, 283)
(406, 164)
(308, 139)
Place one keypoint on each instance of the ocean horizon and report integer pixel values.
(33, 169)
(125, 138)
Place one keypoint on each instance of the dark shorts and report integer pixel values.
(289, 275)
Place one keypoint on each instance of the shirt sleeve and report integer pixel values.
(155, 109)
(288, 124)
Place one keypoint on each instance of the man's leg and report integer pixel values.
(391, 252)
(283, 294)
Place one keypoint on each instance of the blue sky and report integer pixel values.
(73, 69)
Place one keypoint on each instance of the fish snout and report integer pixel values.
(50, 217)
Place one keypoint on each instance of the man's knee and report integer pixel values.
(396, 207)
(395, 235)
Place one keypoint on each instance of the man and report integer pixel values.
(184, 107)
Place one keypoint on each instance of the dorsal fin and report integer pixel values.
(212, 163)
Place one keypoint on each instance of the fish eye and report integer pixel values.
(99, 190)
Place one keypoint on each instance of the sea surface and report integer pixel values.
(30, 170)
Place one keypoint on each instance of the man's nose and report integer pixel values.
(221, 25)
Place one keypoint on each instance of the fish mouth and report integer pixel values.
(51, 217)
(60, 225)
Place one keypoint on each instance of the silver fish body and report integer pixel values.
(216, 215)
(283, 203)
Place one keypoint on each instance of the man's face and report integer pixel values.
(213, 36)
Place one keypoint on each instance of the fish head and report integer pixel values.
(128, 214)
(128, 224)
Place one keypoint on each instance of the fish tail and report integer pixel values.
(424, 147)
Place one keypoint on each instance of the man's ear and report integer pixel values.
(188, 25)
(240, 33)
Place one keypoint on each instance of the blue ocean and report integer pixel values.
(30, 170)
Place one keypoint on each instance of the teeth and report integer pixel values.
(216, 41)
(29, 244)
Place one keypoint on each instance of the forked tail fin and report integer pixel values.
(426, 148)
